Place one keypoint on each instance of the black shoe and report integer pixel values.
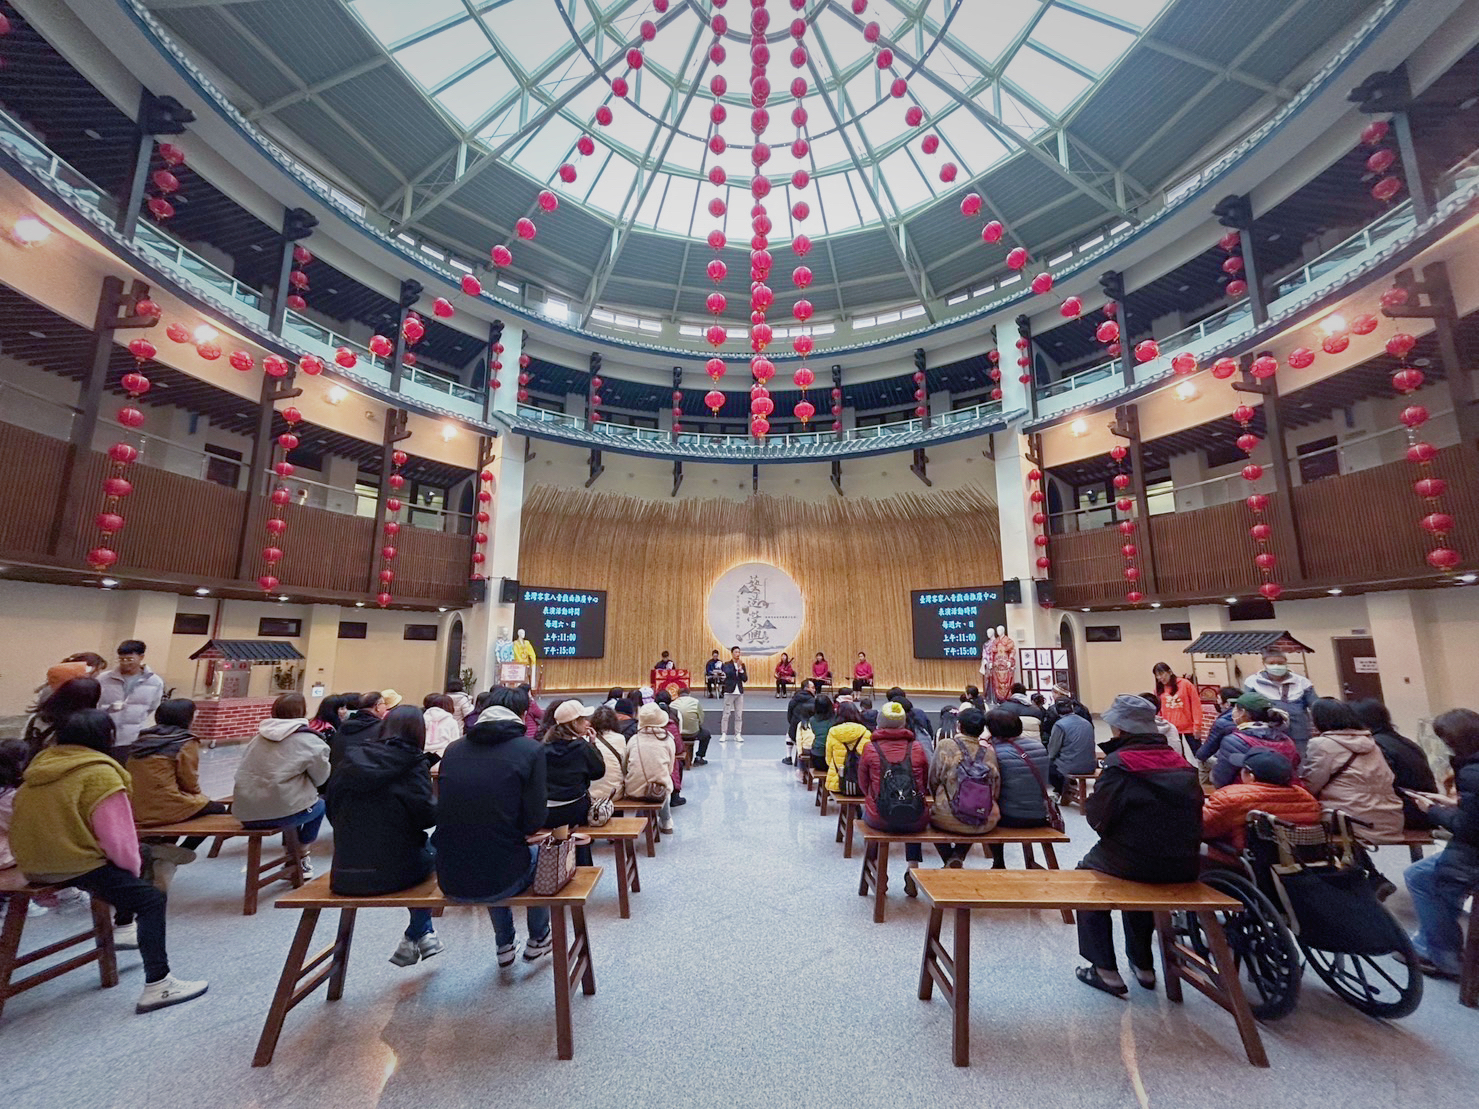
(679, 801)
(788, 761)
(910, 889)
(699, 760)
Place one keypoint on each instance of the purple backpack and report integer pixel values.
(975, 786)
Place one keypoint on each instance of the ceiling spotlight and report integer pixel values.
(449, 432)
(205, 333)
(442, 608)
(1079, 427)
(202, 592)
(1468, 579)
(1187, 390)
(108, 583)
(1083, 610)
(359, 604)
(29, 231)
(1333, 325)
(282, 596)
(1231, 600)
(336, 394)
(1335, 592)
(1155, 604)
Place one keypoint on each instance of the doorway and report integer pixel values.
(454, 651)
(1065, 643)
(1356, 668)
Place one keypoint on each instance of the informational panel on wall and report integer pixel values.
(562, 623)
(1043, 668)
(952, 623)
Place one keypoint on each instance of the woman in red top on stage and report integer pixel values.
(862, 673)
(785, 674)
(821, 670)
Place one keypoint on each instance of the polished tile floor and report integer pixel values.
(750, 974)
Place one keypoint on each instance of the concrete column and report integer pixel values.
(1013, 392)
(341, 474)
(1393, 621)
(1028, 623)
(484, 624)
(506, 396)
(321, 648)
(1187, 470)
(149, 616)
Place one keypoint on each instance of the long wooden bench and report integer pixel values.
(875, 870)
(849, 809)
(571, 947)
(961, 891)
(1077, 788)
(1414, 839)
(652, 834)
(258, 875)
(622, 832)
(20, 893)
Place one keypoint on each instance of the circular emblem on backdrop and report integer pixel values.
(756, 607)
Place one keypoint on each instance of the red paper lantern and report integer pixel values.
(177, 333)
(160, 208)
(502, 256)
(271, 555)
(275, 526)
(1118, 452)
(1414, 415)
(413, 329)
(380, 346)
(1127, 527)
(241, 360)
(1439, 523)
(1248, 443)
(1364, 324)
(1184, 363)
(1265, 366)
(1387, 188)
(1230, 241)
(949, 171)
(1016, 258)
(1301, 358)
(288, 441)
(1395, 297)
(759, 427)
(1121, 481)
(1271, 590)
(442, 308)
(1444, 558)
(1071, 308)
(384, 599)
(1258, 502)
(993, 232)
(281, 496)
(1381, 161)
(134, 384)
(1232, 265)
(1237, 287)
(268, 582)
(1146, 350)
(399, 458)
(1407, 380)
(1243, 414)
(1401, 344)
(1430, 488)
(1264, 560)
(1335, 344)
(1107, 332)
(311, 365)
(123, 453)
(117, 486)
(970, 205)
(1421, 452)
(802, 310)
(209, 351)
(129, 416)
(1252, 472)
(109, 523)
(296, 303)
(1374, 132)
(1134, 596)
(1224, 368)
(1261, 532)
(346, 358)
(1042, 283)
(1129, 550)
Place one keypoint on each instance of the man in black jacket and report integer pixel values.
(360, 726)
(1147, 808)
(735, 677)
(1064, 703)
(492, 794)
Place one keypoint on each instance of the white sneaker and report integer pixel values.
(666, 829)
(407, 953)
(168, 991)
(723, 739)
(738, 738)
(535, 949)
(429, 945)
(126, 937)
(506, 955)
(33, 909)
(305, 867)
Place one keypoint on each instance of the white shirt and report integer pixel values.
(441, 730)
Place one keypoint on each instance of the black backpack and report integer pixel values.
(900, 803)
(848, 779)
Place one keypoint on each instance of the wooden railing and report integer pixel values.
(184, 526)
(1356, 528)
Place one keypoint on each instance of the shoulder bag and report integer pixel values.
(1055, 814)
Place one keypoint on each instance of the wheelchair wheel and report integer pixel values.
(1387, 985)
(1264, 951)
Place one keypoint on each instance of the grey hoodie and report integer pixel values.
(280, 773)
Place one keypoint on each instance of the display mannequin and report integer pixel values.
(987, 690)
(1003, 664)
(525, 655)
(503, 647)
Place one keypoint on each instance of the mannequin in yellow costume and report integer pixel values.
(525, 655)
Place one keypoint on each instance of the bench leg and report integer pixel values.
(582, 938)
(564, 1041)
(841, 820)
(282, 1000)
(880, 883)
(102, 938)
(341, 953)
(823, 797)
(652, 836)
(852, 819)
(1170, 959)
(960, 1000)
(931, 938)
(632, 866)
(1415, 852)
(253, 875)
(1052, 856)
(1468, 982)
(216, 845)
(623, 879)
(1233, 997)
(10, 942)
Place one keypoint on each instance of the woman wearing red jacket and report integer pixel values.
(1180, 703)
(862, 673)
(894, 740)
(785, 675)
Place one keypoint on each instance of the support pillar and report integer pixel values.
(920, 466)
(1394, 623)
(495, 336)
(395, 432)
(486, 623)
(1113, 284)
(320, 650)
(297, 224)
(1390, 92)
(1127, 427)
(1030, 623)
(1283, 484)
(410, 294)
(1236, 212)
(1437, 290)
(273, 390)
(158, 115)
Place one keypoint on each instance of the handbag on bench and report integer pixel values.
(555, 865)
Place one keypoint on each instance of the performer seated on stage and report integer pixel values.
(862, 673)
(821, 671)
(713, 673)
(785, 674)
(665, 663)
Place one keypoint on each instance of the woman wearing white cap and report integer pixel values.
(650, 758)
(571, 764)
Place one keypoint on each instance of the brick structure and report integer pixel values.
(230, 721)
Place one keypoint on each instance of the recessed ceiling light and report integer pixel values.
(1083, 610)
(359, 604)
(282, 596)
(1333, 324)
(28, 231)
(442, 608)
(36, 334)
(1155, 604)
(202, 592)
(1468, 579)
(205, 333)
(90, 133)
(1231, 600)
(108, 583)
(1335, 592)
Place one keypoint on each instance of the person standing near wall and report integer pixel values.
(130, 694)
(735, 676)
(1293, 693)
(1180, 704)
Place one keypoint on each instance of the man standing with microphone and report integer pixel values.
(735, 676)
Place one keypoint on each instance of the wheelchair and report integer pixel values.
(1306, 893)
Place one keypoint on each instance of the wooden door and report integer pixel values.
(1356, 668)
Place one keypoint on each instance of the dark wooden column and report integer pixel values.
(920, 466)
(1273, 424)
(1436, 290)
(1113, 284)
(274, 389)
(297, 224)
(395, 432)
(1127, 427)
(158, 115)
(112, 300)
(495, 336)
(1390, 92)
(1236, 212)
(410, 294)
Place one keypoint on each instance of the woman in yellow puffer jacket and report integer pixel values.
(845, 735)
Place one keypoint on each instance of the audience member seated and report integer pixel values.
(665, 663)
(1062, 703)
(823, 716)
(713, 674)
(665, 700)
(1071, 748)
(918, 720)
(965, 780)
(785, 675)
(380, 804)
(1440, 883)
(360, 726)
(571, 763)
(626, 716)
(72, 695)
(1222, 726)
(650, 758)
(462, 704)
(821, 671)
(972, 696)
(893, 771)
(331, 713)
(1409, 763)
(847, 736)
(691, 725)
(1021, 705)
(1147, 809)
(1265, 784)
(279, 775)
(534, 722)
(440, 718)
(1162, 725)
(862, 673)
(1256, 724)
(73, 825)
(869, 713)
(492, 795)
(608, 740)
(1023, 762)
(480, 705)
(1345, 769)
(13, 758)
(164, 764)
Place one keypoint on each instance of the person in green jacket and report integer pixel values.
(822, 720)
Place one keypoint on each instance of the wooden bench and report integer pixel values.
(808, 772)
(848, 811)
(571, 947)
(875, 870)
(652, 833)
(20, 894)
(961, 891)
(1077, 788)
(225, 826)
(1414, 839)
(1468, 979)
(622, 833)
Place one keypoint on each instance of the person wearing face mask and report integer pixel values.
(1291, 693)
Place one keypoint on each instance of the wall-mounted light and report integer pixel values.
(1333, 324)
(449, 432)
(1155, 604)
(1187, 390)
(205, 333)
(359, 604)
(336, 394)
(1079, 427)
(282, 596)
(442, 608)
(29, 231)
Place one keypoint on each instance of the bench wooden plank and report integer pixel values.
(622, 832)
(651, 808)
(224, 826)
(961, 891)
(427, 895)
(1414, 839)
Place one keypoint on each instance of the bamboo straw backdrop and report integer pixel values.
(855, 560)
